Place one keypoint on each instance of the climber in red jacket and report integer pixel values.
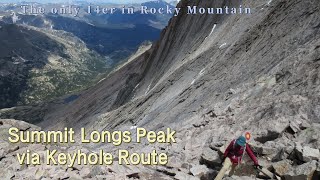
(233, 156)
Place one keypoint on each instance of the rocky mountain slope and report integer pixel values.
(39, 65)
(115, 36)
(254, 73)
(47, 53)
(115, 43)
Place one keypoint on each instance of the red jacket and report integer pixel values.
(235, 153)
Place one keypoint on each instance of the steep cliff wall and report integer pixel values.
(212, 78)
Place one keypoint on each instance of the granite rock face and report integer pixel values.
(263, 80)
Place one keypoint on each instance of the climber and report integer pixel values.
(233, 156)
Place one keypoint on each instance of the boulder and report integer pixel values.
(174, 162)
(209, 175)
(268, 150)
(74, 175)
(263, 149)
(210, 157)
(186, 165)
(289, 149)
(304, 125)
(267, 136)
(85, 172)
(222, 149)
(310, 135)
(281, 155)
(316, 174)
(302, 172)
(216, 145)
(184, 176)
(203, 172)
(98, 170)
(272, 129)
(310, 154)
(293, 127)
(305, 154)
(296, 154)
(199, 170)
(282, 167)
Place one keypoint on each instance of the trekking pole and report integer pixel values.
(266, 172)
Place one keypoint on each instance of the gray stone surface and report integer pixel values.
(210, 157)
(263, 81)
(282, 167)
(304, 171)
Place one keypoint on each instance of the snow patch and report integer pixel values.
(202, 71)
(15, 18)
(148, 89)
(101, 80)
(90, 24)
(198, 76)
(136, 86)
(133, 127)
(214, 27)
(269, 2)
(222, 45)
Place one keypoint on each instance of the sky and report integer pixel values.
(61, 1)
